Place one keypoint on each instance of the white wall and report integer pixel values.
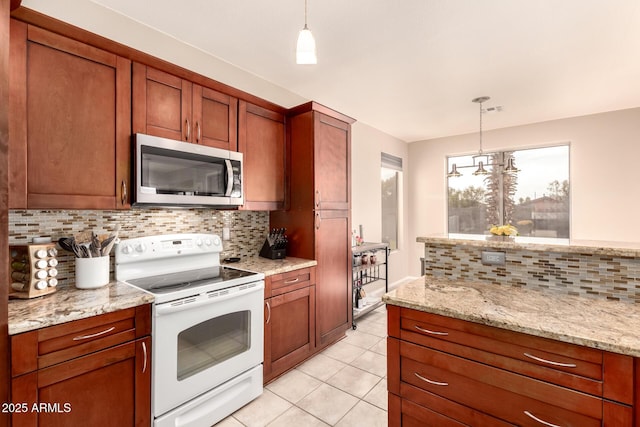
(366, 145)
(604, 175)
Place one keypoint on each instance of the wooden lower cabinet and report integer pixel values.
(90, 372)
(289, 332)
(449, 372)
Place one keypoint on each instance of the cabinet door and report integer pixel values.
(70, 120)
(107, 388)
(161, 104)
(289, 330)
(261, 140)
(215, 119)
(333, 275)
(332, 161)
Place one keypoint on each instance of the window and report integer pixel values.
(535, 199)
(391, 179)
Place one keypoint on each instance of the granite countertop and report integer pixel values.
(69, 303)
(607, 325)
(624, 249)
(271, 266)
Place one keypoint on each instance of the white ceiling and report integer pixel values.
(411, 67)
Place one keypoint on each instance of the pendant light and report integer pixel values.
(306, 47)
(481, 170)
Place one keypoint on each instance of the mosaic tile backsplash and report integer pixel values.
(584, 274)
(248, 229)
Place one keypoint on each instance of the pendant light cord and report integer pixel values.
(305, 15)
(480, 152)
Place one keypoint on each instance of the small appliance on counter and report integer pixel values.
(275, 245)
(33, 270)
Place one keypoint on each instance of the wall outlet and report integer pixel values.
(226, 235)
(493, 258)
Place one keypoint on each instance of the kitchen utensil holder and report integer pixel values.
(92, 273)
(271, 252)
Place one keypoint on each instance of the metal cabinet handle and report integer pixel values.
(268, 312)
(198, 132)
(426, 331)
(123, 192)
(533, 417)
(430, 381)
(144, 353)
(318, 220)
(188, 135)
(291, 280)
(550, 362)
(317, 198)
(97, 334)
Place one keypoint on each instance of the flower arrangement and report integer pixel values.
(503, 230)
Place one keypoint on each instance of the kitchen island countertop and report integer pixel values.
(607, 325)
(69, 303)
(271, 267)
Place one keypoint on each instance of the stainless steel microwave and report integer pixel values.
(175, 173)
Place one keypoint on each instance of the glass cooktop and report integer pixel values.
(173, 282)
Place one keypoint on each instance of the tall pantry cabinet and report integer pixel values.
(318, 218)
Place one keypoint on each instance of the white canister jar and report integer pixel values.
(92, 273)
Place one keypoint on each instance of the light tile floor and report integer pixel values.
(345, 385)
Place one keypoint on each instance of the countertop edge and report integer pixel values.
(53, 309)
(494, 320)
(535, 247)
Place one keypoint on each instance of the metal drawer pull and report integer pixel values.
(430, 381)
(292, 281)
(144, 352)
(564, 365)
(533, 417)
(426, 331)
(97, 334)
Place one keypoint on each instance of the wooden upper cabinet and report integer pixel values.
(261, 139)
(320, 147)
(171, 107)
(70, 121)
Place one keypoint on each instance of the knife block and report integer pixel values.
(33, 270)
(269, 251)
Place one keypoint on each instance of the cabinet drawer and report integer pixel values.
(508, 396)
(428, 408)
(564, 364)
(49, 346)
(290, 281)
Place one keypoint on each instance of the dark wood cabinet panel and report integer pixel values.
(70, 111)
(171, 107)
(104, 367)
(457, 369)
(333, 152)
(261, 139)
(318, 217)
(161, 103)
(333, 275)
(289, 321)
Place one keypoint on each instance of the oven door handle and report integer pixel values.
(205, 299)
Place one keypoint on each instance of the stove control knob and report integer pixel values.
(216, 241)
(199, 242)
(207, 242)
(140, 247)
(40, 285)
(127, 249)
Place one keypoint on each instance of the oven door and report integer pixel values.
(201, 342)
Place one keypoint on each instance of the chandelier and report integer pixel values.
(481, 160)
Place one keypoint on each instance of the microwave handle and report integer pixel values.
(229, 178)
